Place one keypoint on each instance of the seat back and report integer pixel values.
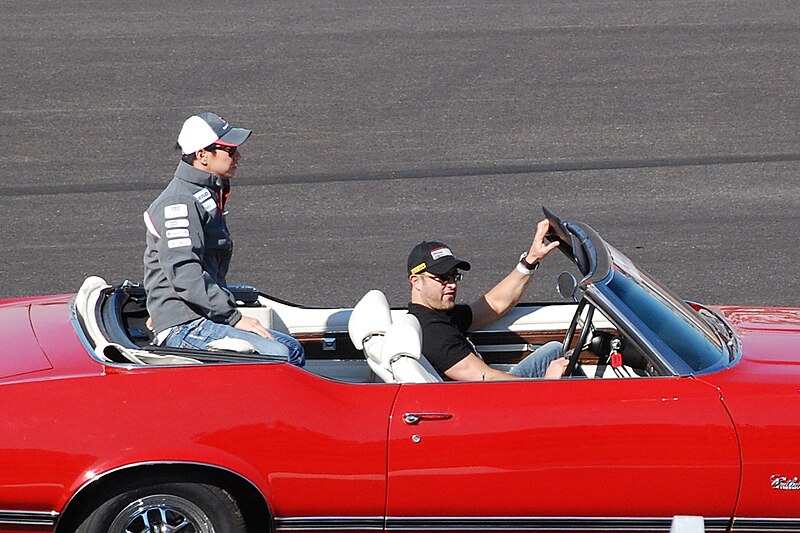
(402, 353)
(369, 321)
(393, 351)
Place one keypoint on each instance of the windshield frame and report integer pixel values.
(613, 283)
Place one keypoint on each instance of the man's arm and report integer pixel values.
(473, 368)
(506, 294)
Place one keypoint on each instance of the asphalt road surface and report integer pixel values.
(670, 127)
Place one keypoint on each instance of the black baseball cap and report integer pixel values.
(434, 257)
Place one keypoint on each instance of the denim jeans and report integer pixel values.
(198, 333)
(536, 363)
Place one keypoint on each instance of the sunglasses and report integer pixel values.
(230, 149)
(445, 279)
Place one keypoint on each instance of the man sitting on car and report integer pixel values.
(433, 272)
(189, 248)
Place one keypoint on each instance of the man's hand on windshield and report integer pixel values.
(539, 249)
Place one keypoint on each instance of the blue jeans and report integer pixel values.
(536, 363)
(198, 333)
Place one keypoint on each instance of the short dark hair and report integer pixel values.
(186, 158)
(189, 158)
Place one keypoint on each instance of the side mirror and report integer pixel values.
(566, 286)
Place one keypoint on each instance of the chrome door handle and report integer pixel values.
(413, 419)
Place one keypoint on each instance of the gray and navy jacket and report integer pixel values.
(188, 251)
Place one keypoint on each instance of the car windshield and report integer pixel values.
(673, 324)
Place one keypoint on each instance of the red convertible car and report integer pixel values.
(670, 408)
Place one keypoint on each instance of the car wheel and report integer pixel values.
(167, 508)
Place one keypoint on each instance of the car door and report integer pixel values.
(576, 454)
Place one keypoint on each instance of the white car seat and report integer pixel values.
(369, 321)
(393, 351)
(402, 353)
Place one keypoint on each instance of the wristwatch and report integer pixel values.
(526, 268)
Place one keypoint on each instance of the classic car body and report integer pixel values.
(671, 409)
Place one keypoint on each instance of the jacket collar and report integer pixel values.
(188, 173)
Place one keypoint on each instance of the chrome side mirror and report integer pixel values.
(566, 286)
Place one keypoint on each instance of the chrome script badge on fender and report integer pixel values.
(784, 483)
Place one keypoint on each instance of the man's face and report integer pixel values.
(222, 161)
(435, 291)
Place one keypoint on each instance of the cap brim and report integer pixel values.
(235, 137)
(446, 265)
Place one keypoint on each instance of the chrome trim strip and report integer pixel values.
(28, 518)
(329, 523)
(544, 524)
(446, 524)
(766, 524)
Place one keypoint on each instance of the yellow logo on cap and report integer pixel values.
(419, 268)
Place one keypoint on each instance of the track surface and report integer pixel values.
(670, 127)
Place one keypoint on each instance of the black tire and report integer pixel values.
(179, 507)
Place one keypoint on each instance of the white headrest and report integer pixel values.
(411, 321)
(370, 316)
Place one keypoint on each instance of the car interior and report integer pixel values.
(371, 342)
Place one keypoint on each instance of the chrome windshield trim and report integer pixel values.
(598, 299)
(28, 518)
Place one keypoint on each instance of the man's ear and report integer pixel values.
(201, 157)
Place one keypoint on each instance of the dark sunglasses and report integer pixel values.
(230, 149)
(444, 279)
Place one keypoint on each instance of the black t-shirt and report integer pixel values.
(444, 334)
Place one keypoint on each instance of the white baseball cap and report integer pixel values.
(205, 129)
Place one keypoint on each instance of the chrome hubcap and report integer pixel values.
(162, 513)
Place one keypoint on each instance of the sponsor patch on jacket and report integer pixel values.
(175, 233)
(176, 211)
(210, 205)
(177, 223)
(179, 243)
(202, 195)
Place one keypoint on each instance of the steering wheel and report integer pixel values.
(582, 340)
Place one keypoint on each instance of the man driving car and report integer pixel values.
(434, 273)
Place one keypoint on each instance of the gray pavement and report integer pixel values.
(671, 127)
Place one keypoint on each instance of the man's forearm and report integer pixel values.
(499, 300)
